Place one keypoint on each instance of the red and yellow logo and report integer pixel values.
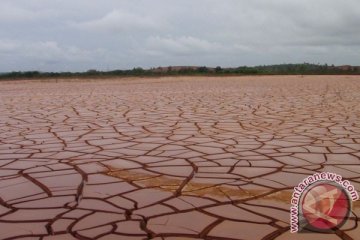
(325, 206)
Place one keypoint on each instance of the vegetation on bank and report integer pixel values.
(281, 69)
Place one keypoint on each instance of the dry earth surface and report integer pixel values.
(171, 158)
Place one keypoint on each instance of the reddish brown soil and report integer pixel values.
(179, 157)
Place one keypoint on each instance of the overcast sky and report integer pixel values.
(77, 35)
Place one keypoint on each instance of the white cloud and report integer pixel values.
(50, 50)
(189, 45)
(118, 21)
(45, 55)
(7, 46)
(182, 45)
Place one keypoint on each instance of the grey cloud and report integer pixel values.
(11, 14)
(83, 34)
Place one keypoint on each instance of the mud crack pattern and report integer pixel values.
(171, 158)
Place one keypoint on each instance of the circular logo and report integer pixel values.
(325, 206)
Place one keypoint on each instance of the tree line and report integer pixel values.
(280, 69)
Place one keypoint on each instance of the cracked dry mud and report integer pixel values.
(171, 158)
